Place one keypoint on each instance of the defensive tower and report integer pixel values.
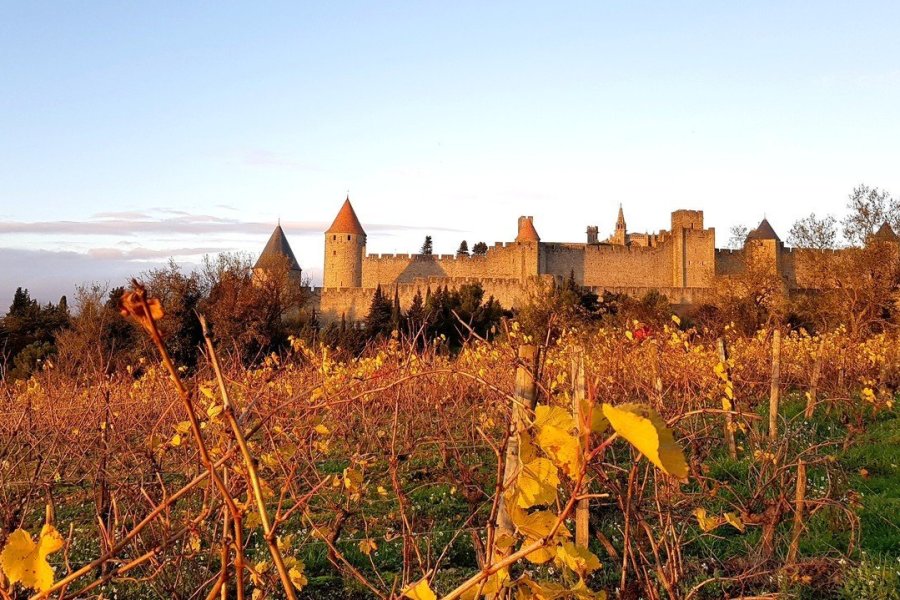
(765, 246)
(345, 246)
(529, 246)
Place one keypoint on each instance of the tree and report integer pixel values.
(180, 295)
(479, 249)
(251, 314)
(737, 237)
(814, 233)
(463, 249)
(867, 209)
(30, 329)
(415, 316)
(550, 307)
(753, 296)
(858, 287)
(99, 341)
(445, 308)
(396, 313)
(426, 247)
(378, 321)
(22, 304)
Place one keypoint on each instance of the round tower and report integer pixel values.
(345, 246)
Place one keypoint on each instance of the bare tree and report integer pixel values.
(814, 233)
(868, 208)
(737, 237)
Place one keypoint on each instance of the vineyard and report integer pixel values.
(622, 462)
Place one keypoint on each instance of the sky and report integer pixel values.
(132, 132)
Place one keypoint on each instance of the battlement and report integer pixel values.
(687, 219)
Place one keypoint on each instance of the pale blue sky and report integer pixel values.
(132, 131)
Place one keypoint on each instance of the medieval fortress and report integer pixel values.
(680, 263)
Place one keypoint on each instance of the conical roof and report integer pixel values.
(527, 232)
(763, 232)
(620, 221)
(346, 221)
(277, 246)
(885, 232)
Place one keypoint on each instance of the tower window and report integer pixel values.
(348, 238)
(334, 252)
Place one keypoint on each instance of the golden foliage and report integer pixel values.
(25, 561)
(646, 431)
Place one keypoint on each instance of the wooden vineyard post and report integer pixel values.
(525, 400)
(729, 417)
(798, 513)
(579, 397)
(775, 390)
(814, 383)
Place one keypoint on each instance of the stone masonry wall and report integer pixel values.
(354, 303)
(500, 261)
(609, 265)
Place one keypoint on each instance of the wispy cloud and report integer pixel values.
(49, 274)
(133, 223)
(139, 253)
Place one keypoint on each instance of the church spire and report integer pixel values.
(620, 222)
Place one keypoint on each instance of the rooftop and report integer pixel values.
(346, 221)
(885, 232)
(763, 232)
(278, 246)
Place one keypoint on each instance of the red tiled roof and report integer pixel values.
(346, 221)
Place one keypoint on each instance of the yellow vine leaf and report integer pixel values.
(297, 576)
(321, 429)
(367, 546)
(419, 591)
(527, 452)
(579, 560)
(504, 541)
(735, 521)
(536, 526)
(553, 416)
(592, 417)
(352, 480)
(214, 410)
(491, 586)
(706, 522)
(530, 589)
(537, 483)
(25, 561)
(541, 555)
(646, 431)
(562, 447)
